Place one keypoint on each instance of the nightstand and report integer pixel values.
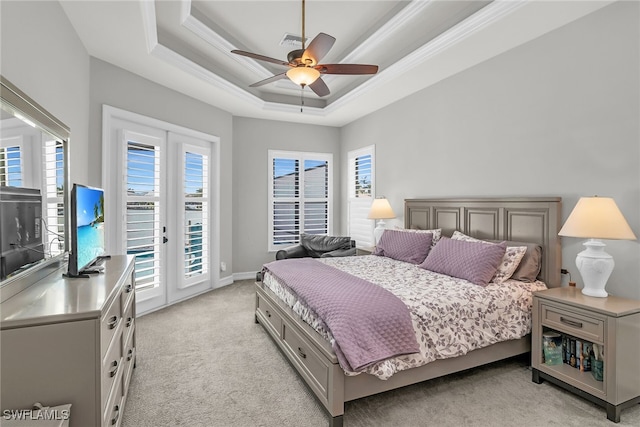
(613, 323)
(365, 250)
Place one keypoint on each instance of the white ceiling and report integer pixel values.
(185, 45)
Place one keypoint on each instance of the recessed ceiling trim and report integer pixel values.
(148, 9)
(489, 14)
(203, 31)
(400, 19)
(170, 56)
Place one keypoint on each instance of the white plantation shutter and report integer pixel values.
(195, 223)
(361, 191)
(11, 166)
(143, 201)
(299, 196)
(53, 195)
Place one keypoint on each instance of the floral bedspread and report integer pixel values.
(450, 316)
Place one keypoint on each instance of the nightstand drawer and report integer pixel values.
(580, 325)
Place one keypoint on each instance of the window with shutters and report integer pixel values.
(11, 165)
(143, 202)
(300, 196)
(34, 159)
(195, 221)
(361, 191)
(53, 195)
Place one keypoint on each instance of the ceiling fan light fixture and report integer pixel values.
(303, 76)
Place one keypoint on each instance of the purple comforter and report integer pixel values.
(368, 323)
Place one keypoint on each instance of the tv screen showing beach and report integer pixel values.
(90, 222)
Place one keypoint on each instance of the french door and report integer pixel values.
(163, 199)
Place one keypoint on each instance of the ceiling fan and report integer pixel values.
(304, 66)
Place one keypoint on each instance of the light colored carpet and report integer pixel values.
(204, 362)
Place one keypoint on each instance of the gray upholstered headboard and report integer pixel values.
(526, 219)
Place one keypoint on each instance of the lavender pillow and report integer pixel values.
(407, 247)
(473, 261)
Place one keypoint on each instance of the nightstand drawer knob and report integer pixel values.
(571, 322)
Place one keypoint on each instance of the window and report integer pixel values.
(361, 191)
(53, 194)
(300, 194)
(34, 159)
(11, 166)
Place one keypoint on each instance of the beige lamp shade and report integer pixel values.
(597, 218)
(381, 209)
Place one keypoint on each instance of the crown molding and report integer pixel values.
(486, 16)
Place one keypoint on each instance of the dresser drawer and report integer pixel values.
(573, 322)
(271, 315)
(129, 360)
(309, 360)
(129, 321)
(112, 413)
(111, 368)
(109, 324)
(127, 292)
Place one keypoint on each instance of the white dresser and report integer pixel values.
(67, 340)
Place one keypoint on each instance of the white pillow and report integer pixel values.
(510, 261)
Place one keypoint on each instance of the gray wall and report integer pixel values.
(119, 88)
(252, 138)
(557, 116)
(42, 55)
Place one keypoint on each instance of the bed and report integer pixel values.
(308, 349)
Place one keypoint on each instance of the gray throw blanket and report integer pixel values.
(368, 323)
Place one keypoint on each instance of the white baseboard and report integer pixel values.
(245, 276)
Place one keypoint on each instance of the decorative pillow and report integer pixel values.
(510, 261)
(407, 247)
(437, 232)
(530, 265)
(473, 261)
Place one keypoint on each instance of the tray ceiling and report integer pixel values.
(185, 45)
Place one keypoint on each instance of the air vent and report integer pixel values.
(291, 40)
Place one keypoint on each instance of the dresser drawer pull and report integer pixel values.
(128, 288)
(113, 321)
(268, 313)
(301, 353)
(129, 355)
(114, 369)
(116, 411)
(129, 321)
(571, 322)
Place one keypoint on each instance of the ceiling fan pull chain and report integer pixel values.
(301, 98)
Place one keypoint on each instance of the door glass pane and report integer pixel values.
(196, 242)
(143, 212)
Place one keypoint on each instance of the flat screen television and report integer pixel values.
(87, 230)
(20, 229)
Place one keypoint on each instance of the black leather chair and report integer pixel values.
(319, 246)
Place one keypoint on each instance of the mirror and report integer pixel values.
(34, 182)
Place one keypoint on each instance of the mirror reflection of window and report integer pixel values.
(30, 158)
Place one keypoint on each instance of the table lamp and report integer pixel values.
(380, 210)
(596, 218)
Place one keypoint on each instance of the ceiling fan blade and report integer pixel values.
(318, 48)
(270, 79)
(260, 57)
(346, 68)
(319, 87)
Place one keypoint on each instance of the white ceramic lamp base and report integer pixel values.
(595, 266)
(377, 232)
